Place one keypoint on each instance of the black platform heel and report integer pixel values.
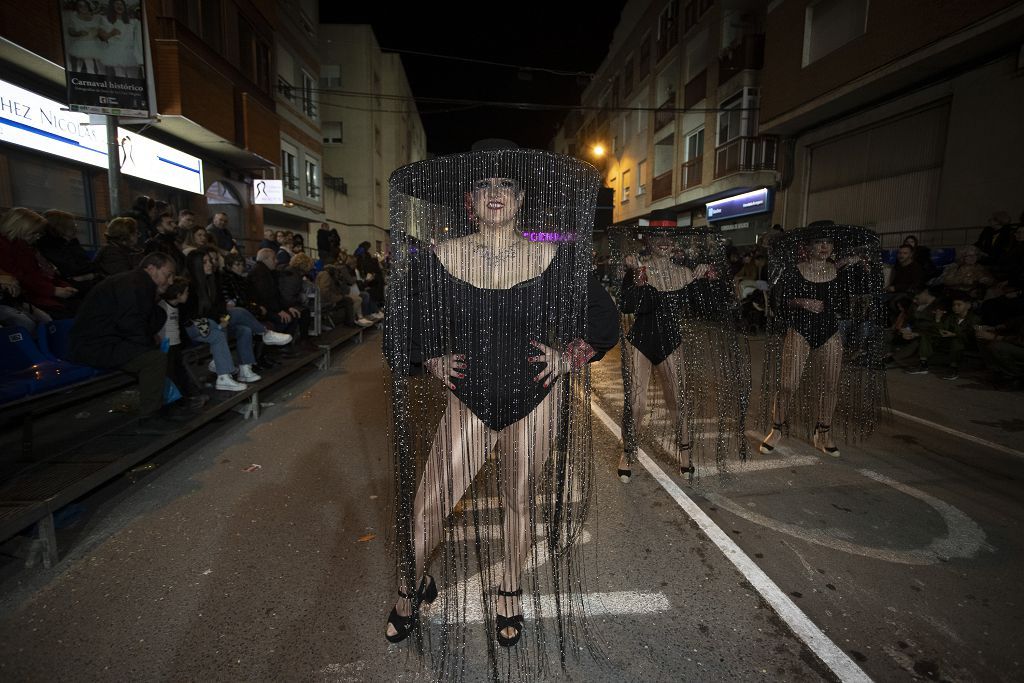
(765, 448)
(688, 469)
(824, 429)
(404, 626)
(513, 622)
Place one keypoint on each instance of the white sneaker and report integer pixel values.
(227, 383)
(271, 338)
(377, 316)
(363, 322)
(245, 374)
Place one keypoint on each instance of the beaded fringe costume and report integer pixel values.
(685, 365)
(490, 290)
(842, 381)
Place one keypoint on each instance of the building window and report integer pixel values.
(830, 24)
(627, 76)
(641, 178)
(308, 95)
(312, 179)
(253, 55)
(203, 18)
(378, 193)
(330, 76)
(738, 116)
(695, 145)
(286, 89)
(333, 132)
(644, 58)
(625, 187)
(693, 11)
(289, 169)
(376, 141)
(668, 29)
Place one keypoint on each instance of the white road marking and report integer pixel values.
(962, 435)
(828, 652)
(621, 602)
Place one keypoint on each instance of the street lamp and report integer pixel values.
(597, 150)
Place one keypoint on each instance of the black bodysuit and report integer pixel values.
(816, 328)
(656, 331)
(493, 328)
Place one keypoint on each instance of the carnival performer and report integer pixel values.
(826, 283)
(684, 331)
(508, 326)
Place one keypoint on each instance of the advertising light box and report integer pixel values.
(32, 121)
(746, 204)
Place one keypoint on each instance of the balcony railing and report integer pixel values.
(746, 154)
(661, 186)
(748, 54)
(691, 172)
(336, 183)
(666, 113)
(696, 90)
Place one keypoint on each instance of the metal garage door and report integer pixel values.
(885, 176)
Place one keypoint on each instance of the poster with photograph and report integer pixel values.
(105, 56)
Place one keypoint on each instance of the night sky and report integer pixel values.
(572, 37)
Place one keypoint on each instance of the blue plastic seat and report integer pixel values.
(24, 368)
(55, 339)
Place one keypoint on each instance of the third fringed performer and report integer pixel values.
(491, 294)
(680, 324)
(824, 350)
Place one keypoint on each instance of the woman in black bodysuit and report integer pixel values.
(654, 290)
(492, 296)
(812, 296)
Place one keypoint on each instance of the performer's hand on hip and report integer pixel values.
(554, 363)
(447, 367)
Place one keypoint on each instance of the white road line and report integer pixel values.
(828, 652)
(622, 602)
(962, 435)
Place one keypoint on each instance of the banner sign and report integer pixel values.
(267, 191)
(33, 121)
(105, 56)
(746, 204)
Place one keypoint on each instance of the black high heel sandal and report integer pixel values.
(824, 429)
(765, 448)
(625, 474)
(688, 469)
(514, 622)
(404, 626)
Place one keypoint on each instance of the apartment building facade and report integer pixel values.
(904, 117)
(371, 126)
(217, 106)
(675, 104)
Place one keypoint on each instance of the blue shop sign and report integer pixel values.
(746, 204)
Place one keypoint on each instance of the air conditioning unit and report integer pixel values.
(641, 190)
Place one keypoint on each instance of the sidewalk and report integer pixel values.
(969, 405)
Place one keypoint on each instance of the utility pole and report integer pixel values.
(113, 166)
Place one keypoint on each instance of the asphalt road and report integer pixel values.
(900, 559)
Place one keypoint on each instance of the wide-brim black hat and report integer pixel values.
(846, 239)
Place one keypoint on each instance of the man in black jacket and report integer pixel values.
(166, 240)
(116, 328)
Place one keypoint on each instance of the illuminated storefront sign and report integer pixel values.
(746, 204)
(32, 121)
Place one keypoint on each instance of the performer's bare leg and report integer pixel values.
(458, 452)
(673, 386)
(795, 350)
(640, 378)
(830, 355)
(524, 446)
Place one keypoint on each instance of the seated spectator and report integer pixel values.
(175, 295)
(59, 245)
(284, 252)
(116, 328)
(334, 293)
(746, 278)
(264, 282)
(207, 320)
(967, 274)
(1002, 349)
(995, 237)
(294, 283)
(345, 274)
(1011, 262)
(922, 255)
(905, 278)
(953, 335)
(119, 254)
(1004, 303)
(269, 241)
(41, 287)
(16, 311)
(186, 222)
(197, 239)
(236, 289)
(166, 239)
(220, 233)
(923, 317)
(144, 212)
(369, 308)
(371, 274)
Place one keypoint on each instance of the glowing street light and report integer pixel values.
(598, 150)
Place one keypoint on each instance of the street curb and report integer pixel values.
(962, 435)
